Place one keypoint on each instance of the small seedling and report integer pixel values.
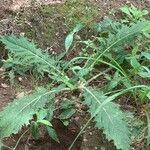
(133, 14)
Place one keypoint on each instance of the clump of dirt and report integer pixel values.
(10, 91)
(8, 26)
(7, 92)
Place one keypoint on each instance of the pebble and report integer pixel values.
(4, 85)
(20, 95)
(20, 79)
(85, 140)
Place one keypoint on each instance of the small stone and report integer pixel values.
(20, 95)
(85, 140)
(2, 69)
(77, 37)
(78, 106)
(127, 2)
(20, 79)
(76, 118)
(4, 85)
(22, 34)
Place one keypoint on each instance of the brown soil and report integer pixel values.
(7, 93)
(106, 6)
(17, 4)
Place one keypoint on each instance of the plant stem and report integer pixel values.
(7, 147)
(96, 76)
(20, 139)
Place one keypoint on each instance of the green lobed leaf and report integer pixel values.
(113, 82)
(125, 9)
(69, 38)
(68, 41)
(134, 13)
(127, 34)
(134, 61)
(66, 103)
(78, 27)
(144, 94)
(41, 114)
(117, 40)
(45, 122)
(21, 111)
(52, 133)
(109, 118)
(66, 114)
(35, 130)
(24, 56)
(145, 73)
(146, 54)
